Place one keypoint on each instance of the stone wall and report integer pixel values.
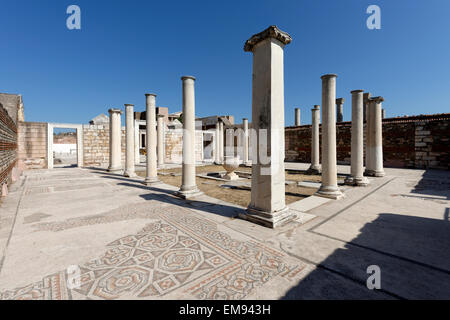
(408, 142)
(8, 145)
(96, 145)
(32, 141)
(174, 146)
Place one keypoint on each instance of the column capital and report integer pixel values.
(329, 75)
(150, 94)
(244, 119)
(316, 107)
(160, 116)
(367, 96)
(376, 99)
(270, 32)
(129, 105)
(187, 77)
(113, 110)
(340, 100)
(357, 91)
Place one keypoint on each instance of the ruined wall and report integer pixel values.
(32, 143)
(96, 145)
(8, 145)
(408, 142)
(174, 146)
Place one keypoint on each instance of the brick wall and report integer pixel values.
(174, 146)
(408, 142)
(8, 145)
(96, 145)
(32, 141)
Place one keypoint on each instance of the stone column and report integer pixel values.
(297, 117)
(161, 130)
(356, 177)
(383, 113)
(375, 143)
(115, 140)
(267, 205)
(221, 144)
(329, 187)
(366, 97)
(137, 154)
(315, 151)
(188, 185)
(150, 140)
(340, 109)
(217, 144)
(245, 141)
(129, 135)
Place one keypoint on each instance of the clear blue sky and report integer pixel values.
(128, 48)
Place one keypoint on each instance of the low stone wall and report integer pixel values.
(96, 145)
(408, 142)
(32, 142)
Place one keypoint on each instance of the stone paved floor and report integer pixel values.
(128, 241)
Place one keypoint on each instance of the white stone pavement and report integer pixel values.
(131, 241)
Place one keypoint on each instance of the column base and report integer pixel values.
(330, 192)
(129, 174)
(188, 194)
(314, 170)
(374, 173)
(269, 219)
(356, 181)
(114, 170)
(151, 181)
(231, 176)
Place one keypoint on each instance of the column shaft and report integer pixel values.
(357, 152)
(329, 186)
(340, 109)
(188, 185)
(161, 134)
(315, 148)
(297, 117)
(245, 141)
(129, 136)
(375, 143)
(150, 139)
(115, 140)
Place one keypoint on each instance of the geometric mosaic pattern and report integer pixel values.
(177, 250)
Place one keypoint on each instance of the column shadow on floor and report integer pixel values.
(413, 254)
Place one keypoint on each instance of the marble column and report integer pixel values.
(221, 142)
(267, 206)
(315, 151)
(129, 139)
(375, 142)
(137, 154)
(383, 113)
(356, 177)
(245, 141)
(340, 109)
(217, 144)
(366, 97)
(329, 187)
(297, 117)
(160, 146)
(188, 185)
(115, 140)
(150, 140)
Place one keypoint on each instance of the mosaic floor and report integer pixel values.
(175, 250)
